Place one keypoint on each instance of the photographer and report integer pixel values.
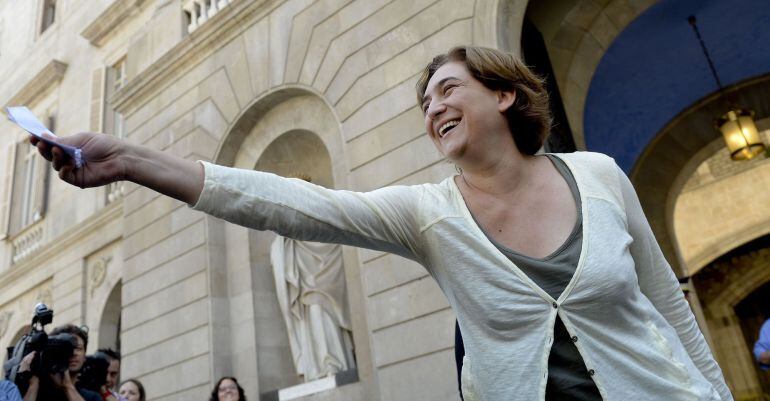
(93, 376)
(113, 372)
(9, 391)
(60, 386)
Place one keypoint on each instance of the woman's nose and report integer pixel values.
(434, 109)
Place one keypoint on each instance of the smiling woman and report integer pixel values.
(496, 71)
(559, 287)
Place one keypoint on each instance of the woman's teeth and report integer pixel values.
(447, 126)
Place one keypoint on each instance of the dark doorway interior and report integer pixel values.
(752, 311)
(535, 55)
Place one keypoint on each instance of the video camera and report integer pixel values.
(53, 352)
(93, 375)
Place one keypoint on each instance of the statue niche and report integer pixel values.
(312, 295)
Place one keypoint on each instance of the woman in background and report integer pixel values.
(131, 390)
(227, 389)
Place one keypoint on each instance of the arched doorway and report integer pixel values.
(292, 132)
(297, 153)
(652, 99)
(109, 323)
(651, 105)
(15, 339)
(734, 290)
(752, 312)
(635, 85)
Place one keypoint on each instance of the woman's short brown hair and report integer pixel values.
(529, 118)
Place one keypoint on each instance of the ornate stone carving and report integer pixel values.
(98, 272)
(45, 296)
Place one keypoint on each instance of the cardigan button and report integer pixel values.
(591, 372)
(574, 339)
(555, 305)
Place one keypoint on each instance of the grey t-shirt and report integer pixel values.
(568, 378)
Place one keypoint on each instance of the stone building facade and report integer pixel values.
(317, 87)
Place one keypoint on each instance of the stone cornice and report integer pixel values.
(109, 20)
(224, 26)
(58, 245)
(50, 75)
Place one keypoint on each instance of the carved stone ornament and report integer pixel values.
(5, 320)
(98, 273)
(45, 296)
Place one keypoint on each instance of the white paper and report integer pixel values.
(26, 120)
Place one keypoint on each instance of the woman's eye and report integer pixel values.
(448, 90)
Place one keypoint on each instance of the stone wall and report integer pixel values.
(187, 317)
(194, 291)
(722, 206)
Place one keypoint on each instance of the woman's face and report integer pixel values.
(461, 113)
(129, 391)
(227, 390)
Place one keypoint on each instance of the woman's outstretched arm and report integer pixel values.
(385, 219)
(109, 159)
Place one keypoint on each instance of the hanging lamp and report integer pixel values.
(737, 124)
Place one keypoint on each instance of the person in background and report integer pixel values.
(62, 386)
(131, 390)
(227, 389)
(762, 346)
(113, 372)
(9, 391)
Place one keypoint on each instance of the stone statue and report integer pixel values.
(310, 284)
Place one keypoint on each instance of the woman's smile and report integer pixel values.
(448, 126)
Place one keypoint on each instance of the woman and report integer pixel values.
(131, 390)
(227, 389)
(559, 287)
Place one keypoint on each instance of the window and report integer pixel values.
(49, 15)
(26, 156)
(30, 186)
(119, 71)
(116, 80)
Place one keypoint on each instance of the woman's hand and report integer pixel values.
(101, 153)
(109, 159)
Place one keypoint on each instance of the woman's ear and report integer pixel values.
(505, 100)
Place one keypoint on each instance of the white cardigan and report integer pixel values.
(623, 307)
